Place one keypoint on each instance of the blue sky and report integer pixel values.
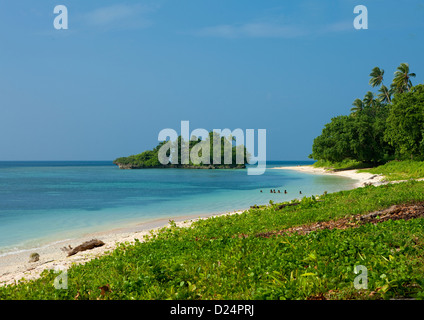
(124, 70)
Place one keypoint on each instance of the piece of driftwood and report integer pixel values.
(93, 243)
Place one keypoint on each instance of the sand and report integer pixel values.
(16, 266)
(363, 178)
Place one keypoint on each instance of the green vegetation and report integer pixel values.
(399, 170)
(381, 127)
(405, 124)
(226, 258)
(146, 159)
(347, 164)
(246, 256)
(203, 151)
(392, 170)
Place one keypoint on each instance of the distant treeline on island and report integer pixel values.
(193, 154)
(380, 128)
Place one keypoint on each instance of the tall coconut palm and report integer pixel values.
(358, 106)
(402, 80)
(376, 77)
(385, 94)
(369, 100)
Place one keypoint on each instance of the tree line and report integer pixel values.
(228, 155)
(381, 126)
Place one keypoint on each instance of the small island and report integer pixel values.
(227, 155)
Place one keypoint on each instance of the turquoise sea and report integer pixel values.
(42, 202)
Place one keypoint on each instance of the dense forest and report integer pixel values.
(382, 126)
(201, 155)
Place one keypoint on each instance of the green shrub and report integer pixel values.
(224, 258)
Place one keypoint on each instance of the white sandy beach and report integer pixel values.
(362, 178)
(16, 266)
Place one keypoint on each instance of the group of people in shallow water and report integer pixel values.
(278, 191)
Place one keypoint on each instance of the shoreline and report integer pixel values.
(363, 178)
(15, 266)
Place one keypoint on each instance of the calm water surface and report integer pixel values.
(42, 202)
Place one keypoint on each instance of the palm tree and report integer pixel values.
(402, 80)
(369, 100)
(376, 77)
(358, 106)
(385, 94)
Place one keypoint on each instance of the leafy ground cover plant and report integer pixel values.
(399, 170)
(224, 258)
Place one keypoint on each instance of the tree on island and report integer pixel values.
(377, 77)
(358, 106)
(402, 80)
(201, 150)
(405, 123)
(379, 128)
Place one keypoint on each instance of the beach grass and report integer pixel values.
(392, 170)
(399, 170)
(224, 258)
(348, 164)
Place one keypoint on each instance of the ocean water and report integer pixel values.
(42, 202)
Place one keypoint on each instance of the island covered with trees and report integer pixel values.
(383, 126)
(313, 248)
(227, 155)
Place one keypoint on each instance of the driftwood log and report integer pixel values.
(93, 243)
